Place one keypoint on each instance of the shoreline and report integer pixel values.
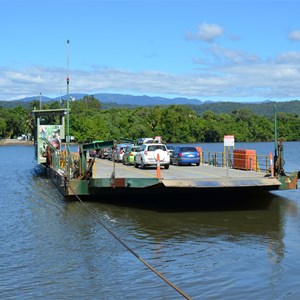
(14, 142)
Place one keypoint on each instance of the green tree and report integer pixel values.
(2, 127)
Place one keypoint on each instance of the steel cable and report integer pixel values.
(132, 251)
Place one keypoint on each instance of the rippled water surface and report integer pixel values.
(52, 249)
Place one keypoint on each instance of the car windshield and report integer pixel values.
(188, 149)
(156, 147)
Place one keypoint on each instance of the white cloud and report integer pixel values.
(290, 56)
(294, 35)
(206, 32)
(231, 56)
(229, 76)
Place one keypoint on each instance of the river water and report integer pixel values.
(53, 249)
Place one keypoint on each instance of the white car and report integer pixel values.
(150, 154)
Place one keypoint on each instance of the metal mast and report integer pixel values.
(68, 110)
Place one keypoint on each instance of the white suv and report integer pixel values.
(149, 153)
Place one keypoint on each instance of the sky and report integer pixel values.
(217, 50)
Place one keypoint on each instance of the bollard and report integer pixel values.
(158, 166)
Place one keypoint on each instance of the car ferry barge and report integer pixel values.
(76, 174)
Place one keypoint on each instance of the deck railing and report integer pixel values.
(247, 162)
(61, 160)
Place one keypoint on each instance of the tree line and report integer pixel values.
(174, 123)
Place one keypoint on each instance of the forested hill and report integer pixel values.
(109, 101)
(208, 123)
(264, 109)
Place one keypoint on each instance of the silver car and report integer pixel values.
(117, 155)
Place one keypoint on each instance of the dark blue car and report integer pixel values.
(185, 155)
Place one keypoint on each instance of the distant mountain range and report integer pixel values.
(112, 100)
(120, 99)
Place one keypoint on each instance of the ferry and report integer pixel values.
(77, 175)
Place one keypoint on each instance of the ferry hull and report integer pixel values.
(106, 187)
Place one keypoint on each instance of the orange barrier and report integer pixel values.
(158, 166)
(199, 149)
(244, 159)
(271, 165)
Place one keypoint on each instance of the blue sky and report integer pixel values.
(208, 50)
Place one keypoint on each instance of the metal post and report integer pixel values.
(275, 130)
(275, 142)
(227, 167)
(40, 101)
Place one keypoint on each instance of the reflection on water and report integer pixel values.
(257, 226)
(243, 219)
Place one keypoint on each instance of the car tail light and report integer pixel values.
(146, 152)
(180, 154)
(130, 154)
(198, 154)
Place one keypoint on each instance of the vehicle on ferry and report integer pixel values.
(129, 154)
(185, 155)
(150, 154)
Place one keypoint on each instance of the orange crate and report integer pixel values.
(244, 159)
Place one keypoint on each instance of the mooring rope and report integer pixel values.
(132, 251)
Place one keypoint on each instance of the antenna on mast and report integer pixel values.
(68, 90)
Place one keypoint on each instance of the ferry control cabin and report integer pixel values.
(49, 131)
